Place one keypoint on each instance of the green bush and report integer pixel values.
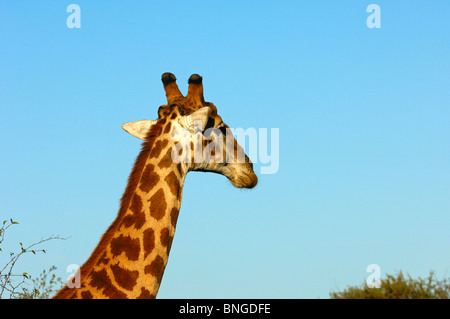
(399, 287)
(12, 282)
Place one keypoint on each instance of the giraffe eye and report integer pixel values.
(223, 129)
(209, 124)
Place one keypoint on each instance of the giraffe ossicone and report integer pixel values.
(130, 258)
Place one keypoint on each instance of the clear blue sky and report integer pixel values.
(363, 116)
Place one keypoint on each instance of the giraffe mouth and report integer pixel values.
(249, 181)
(243, 178)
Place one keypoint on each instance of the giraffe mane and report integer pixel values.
(125, 202)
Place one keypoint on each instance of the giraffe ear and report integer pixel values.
(199, 116)
(139, 129)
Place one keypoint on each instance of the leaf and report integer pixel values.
(25, 275)
(44, 251)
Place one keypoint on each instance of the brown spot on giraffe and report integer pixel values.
(145, 294)
(149, 178)
(75, 295)
(103, 259)
(101, 281)
(158, 205)
(158, 147)
(137, 217)
(125, 244)
(167, 128)
(173, 182)
(127, 279)
(156, 268)
(136, 204)
(86, 295)
(174, 216)
(149, 241)
(166, 160)
(164, 237)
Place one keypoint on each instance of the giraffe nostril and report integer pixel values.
(248, 161)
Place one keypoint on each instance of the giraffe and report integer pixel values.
(131, 256)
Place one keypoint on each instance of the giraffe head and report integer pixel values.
(199, 139)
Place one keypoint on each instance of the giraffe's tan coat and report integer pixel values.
(130, 259)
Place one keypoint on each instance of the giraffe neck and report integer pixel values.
(131, 257)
